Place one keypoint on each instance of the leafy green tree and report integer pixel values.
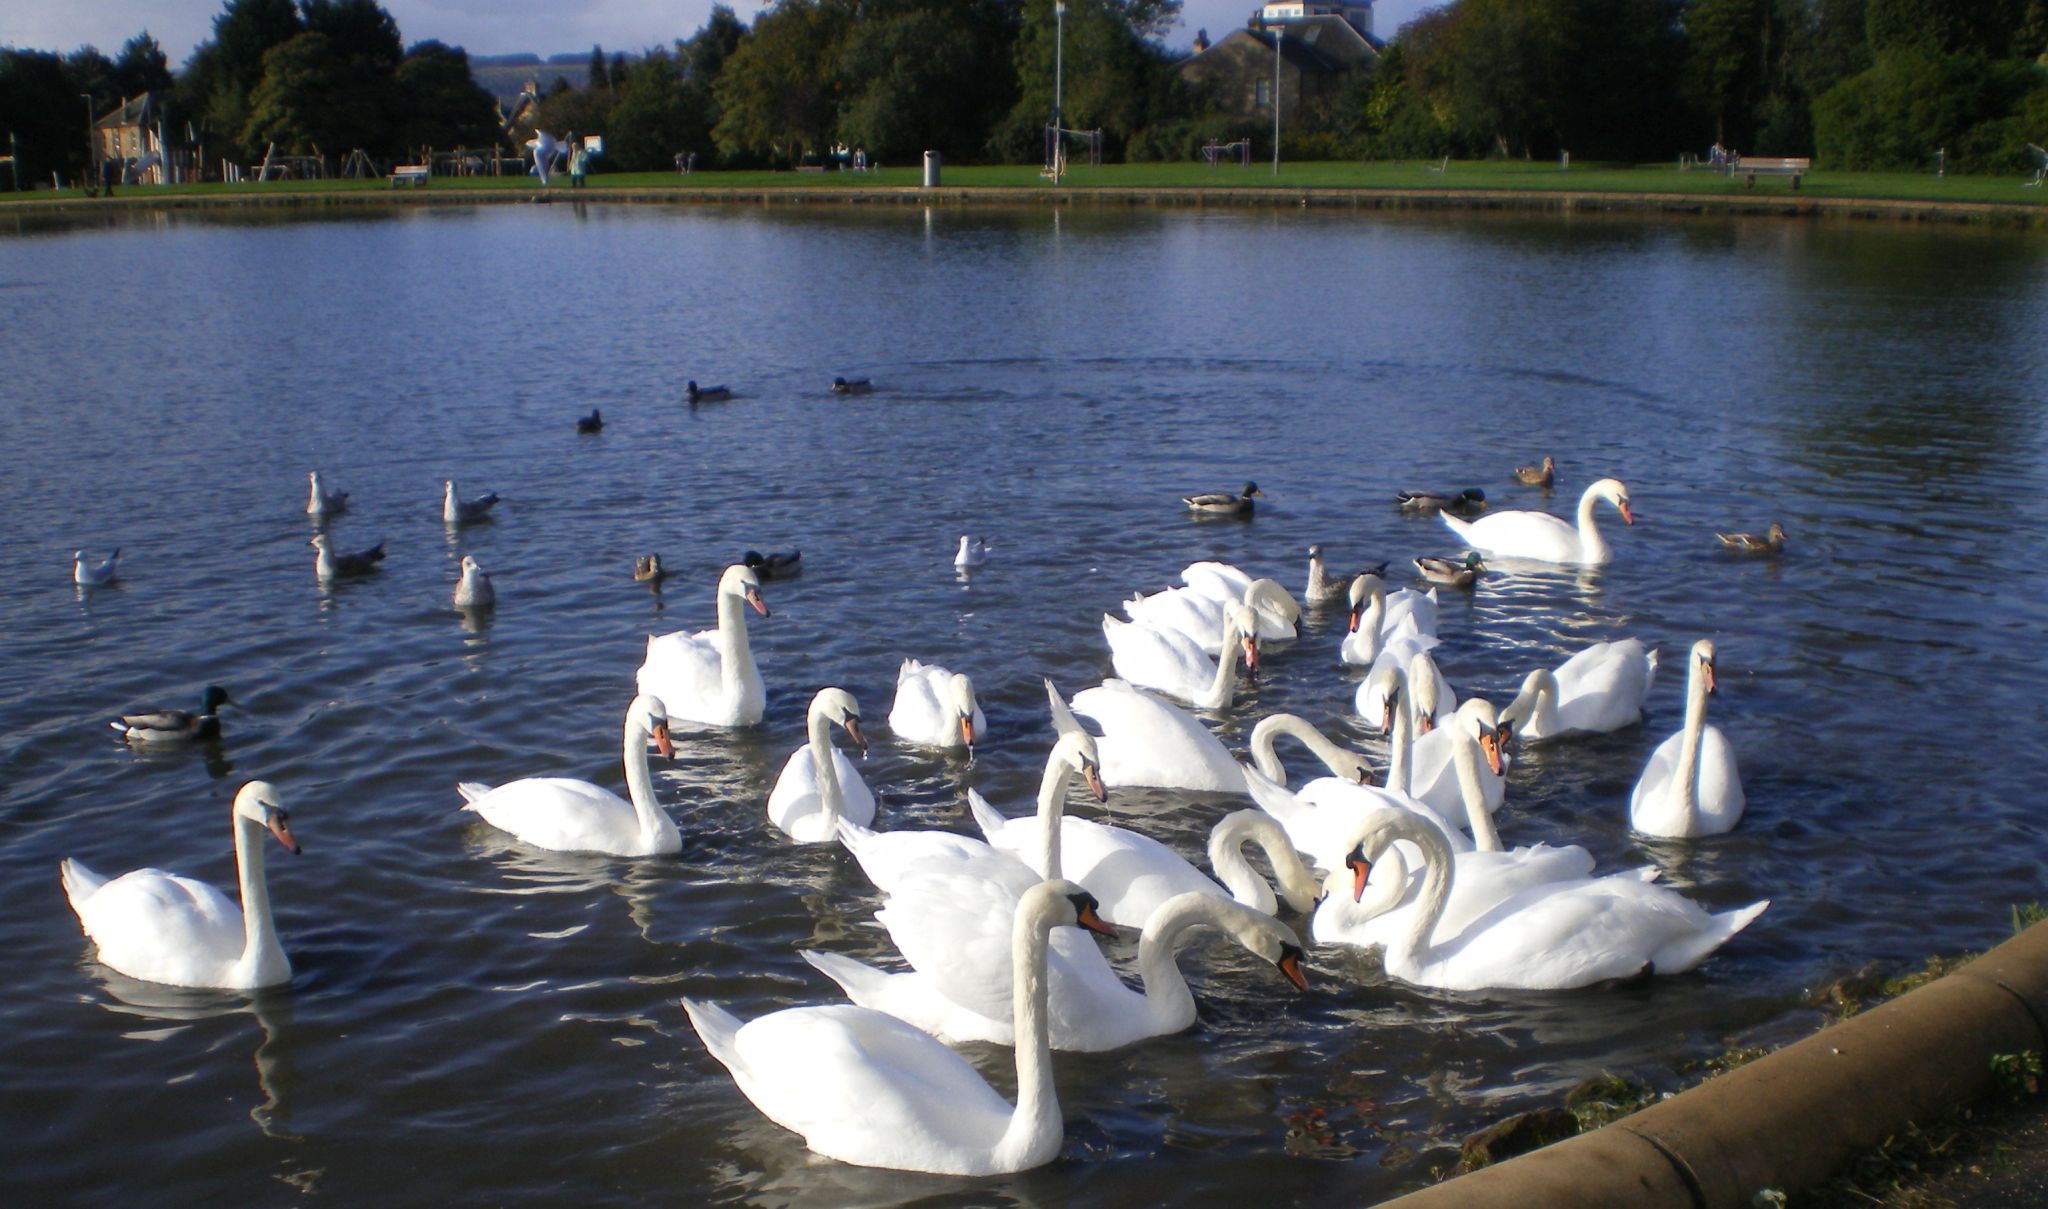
(142, 67)
(652, 119)
(778, 92)
(439, 103)
(303, 102)
(1897, 114)
(221, 74)
(43, 112)
(597, 75)
(702, 60)
(1951, 27)
(1730, 54)
(926, 75)
(1115, 79)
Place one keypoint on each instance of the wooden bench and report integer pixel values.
(410, 174)
(1749, 166)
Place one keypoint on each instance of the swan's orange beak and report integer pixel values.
(1712, 682)
(1353, 626)
(1290, 965)
(1489, 746)
(1093, 776)
(754, 598)
(1360, 870)
(1251, 653)
(854, 732)
(280, 825)
(967, 729)
(1085, 916)
(1389, 704)
(1627, 514)
(1424, 724)
(662, 743)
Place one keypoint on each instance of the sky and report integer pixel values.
(488, 27)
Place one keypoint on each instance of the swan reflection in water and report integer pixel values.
(168, 1012)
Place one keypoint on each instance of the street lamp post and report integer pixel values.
(1279, 32)
(1059, 55)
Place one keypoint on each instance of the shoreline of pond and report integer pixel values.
(1573, 203)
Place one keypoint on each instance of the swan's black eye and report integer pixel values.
(281, 814)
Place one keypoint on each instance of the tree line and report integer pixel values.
(1862, 84)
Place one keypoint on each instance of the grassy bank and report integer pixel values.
(1407, 177)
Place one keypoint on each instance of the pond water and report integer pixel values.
(475, 1021)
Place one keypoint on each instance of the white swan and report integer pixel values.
(951, 932)
(1378, 616)
(1169, 662)
(1408, 655)
(1690, 787)
(1432, 772)
(458, 511)
(1152, 743)
(1221, 584)
(1130, 874)
(935, 707)
(88, 573)
(1322, 816)
(565, 815)
(322, 503)
(710, 676)
(474, 590)
(1541, 537)
(891, 858)
(161, 927)
(819, 785)
(863, 1087)
(1553, 936)
(1600, 689)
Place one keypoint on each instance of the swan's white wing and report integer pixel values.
(863, 1087)
(890, 858)
(1148, 742)
(1532, 535)
(1129, 874)
(682, 670)
(1165, 661)
(1183, 611)
(1721, 796)
(795, 807)
(920, 714)
(164, 927)
(911, 998)
(1602, 688)
(1218, 581)
(562, 815)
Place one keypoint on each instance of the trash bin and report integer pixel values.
(931, 169)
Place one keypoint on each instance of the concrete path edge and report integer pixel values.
(1793, 1118)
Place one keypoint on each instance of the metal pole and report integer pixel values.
(1059, 65)
(1279, 32)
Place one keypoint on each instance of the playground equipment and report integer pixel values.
(1214, 153)
(1056, 150)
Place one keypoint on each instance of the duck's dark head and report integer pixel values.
(213, 698)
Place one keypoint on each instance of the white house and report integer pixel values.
(1355, 13)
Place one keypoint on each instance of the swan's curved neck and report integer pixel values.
(1688, 774)
(639, 785)
(1265, 747)
(1534, 709)
(1035, 1126)
(1592, 546)
(1401, 744)
(262, 954)
(1436, 885)
(1226, 856)
(1370, 623)
(1167, 998)
(1224, 686)
(1465, 755)
(736, 661)
(831, 799)
(1052, 807)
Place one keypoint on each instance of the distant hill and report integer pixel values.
(504, 75)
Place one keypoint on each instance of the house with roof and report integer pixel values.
(1321, 44)
(133, 133)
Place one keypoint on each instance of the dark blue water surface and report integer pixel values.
(477, 1022)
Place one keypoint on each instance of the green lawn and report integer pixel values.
(1409, 176)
